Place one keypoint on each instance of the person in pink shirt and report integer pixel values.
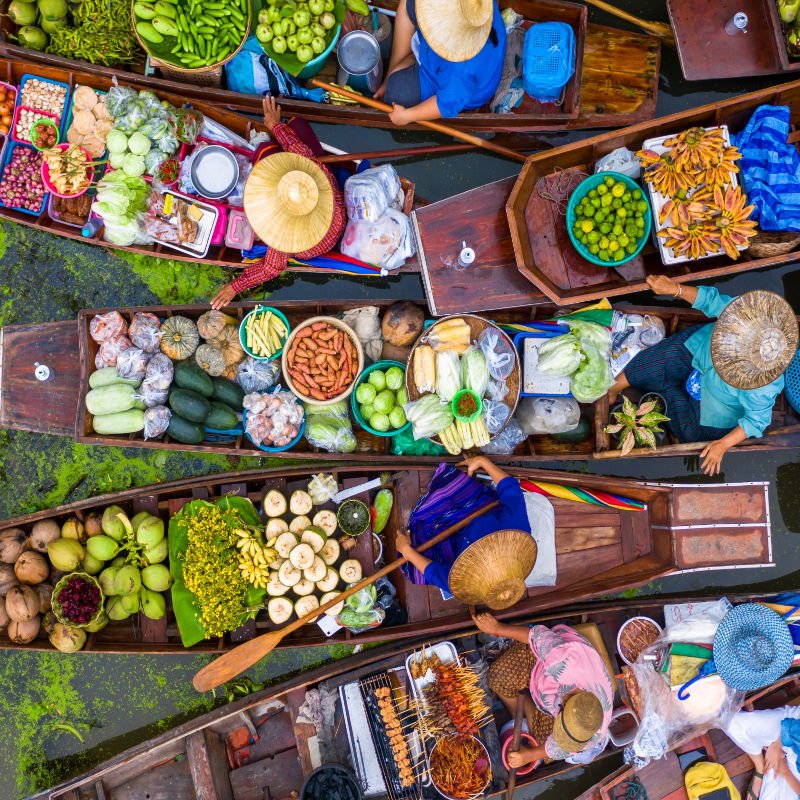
(568, 680)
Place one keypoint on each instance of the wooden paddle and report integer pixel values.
(245, 655)
(397, 152)
(512, 775)
(434, 126)
(659, 29)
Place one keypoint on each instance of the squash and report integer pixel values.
(229, 393)
(110, 399)
(107, 376)
(221, 417)
(210, 359)
(179, 338)
(189, 405)
(188, 375)
(210, 324)
(228, 342)
(231, 372)
(184, 431)
(131, 421)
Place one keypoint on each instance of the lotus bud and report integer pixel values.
(31, 568)
(115, 523)
(12, 544)
(44, 592)
(106, 580)
(44, 532)
(24, 632)
(22, 604)
(98, 624)
(49, 622)
(7, 579)
(4, 618)
(92, 565)
(67, 639)
(93, 525)
(157, 554)
(115, 610)
(127, 580)
(138, 519)
(156, 577)
(65, 554)
(130, 602)
(73, 529)
(153, 604)
(103, 548)
(151, 530)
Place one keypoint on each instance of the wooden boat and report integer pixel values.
(682, 527)
(235, 751)
(523, 252)
(56, 406)
(592, 99)
(12, 70)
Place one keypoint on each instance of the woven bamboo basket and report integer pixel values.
(766, 244)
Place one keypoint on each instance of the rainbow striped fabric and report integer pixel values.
(591, 496)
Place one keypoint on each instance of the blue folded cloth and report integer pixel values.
(770, 169)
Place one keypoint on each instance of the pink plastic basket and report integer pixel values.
(49, 185)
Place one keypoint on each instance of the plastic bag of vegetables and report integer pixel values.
(118, 99)
(593, 378)
(506, 442)
(360, 612)
(257, 376)
(329, 428)
(322, 487)
(474, 372)
(428, 416)
(448, 375)
(560, 355)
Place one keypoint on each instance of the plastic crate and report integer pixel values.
(541, 336)
(62, 117)
(39, 115)
(548, 60)
(792, 383)
(7, 151)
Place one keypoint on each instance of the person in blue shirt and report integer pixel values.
(720, 380)
(447, 56)
(510, 514)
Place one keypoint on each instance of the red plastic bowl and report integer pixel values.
(46, 174)
(525, 738)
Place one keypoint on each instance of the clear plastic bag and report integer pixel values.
(110, 351)
(186, 124)
(257, 376)
(368, 194)
(541, 415)
(507, 441)
(386, 242)
(365, 321)
(151, 395)
(322, 487)
(104, 327)
(273, 419)
(496, 390)
(495, 415)
(448, 375)
(160, 371)
(500, 357)
(118, 99)
(620, 160)
(156, 421)
(329, 430)
(132, 364)
(144, 332)
(361, 612)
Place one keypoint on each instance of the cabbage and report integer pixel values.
(593, 378)
(167, 144)
(428, 416)
(116, 160)
(155, 128)
(448, 375)
(560, 356)
(123, 235)
(139, 144)
(116, 141)
(133, 166)
(153, 160)
(592, 333)
(331, 432)
(118, 100)
(119, 202)
(474, 372)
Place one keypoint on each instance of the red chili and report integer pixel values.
(466, 406)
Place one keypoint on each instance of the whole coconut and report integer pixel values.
(4, 618)
(12, 544)
(22, 604)
(73, 529)
(402, 323)
(93, 524)
(67, 639)
(24, 632)
(44, 532)
(7, 579)
(45, 593)
(31, 568)
(49, 622)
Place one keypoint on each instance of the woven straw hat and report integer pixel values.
(754, 340)
(576, 723)
(456, 30)
(492, 571)
(288, 202)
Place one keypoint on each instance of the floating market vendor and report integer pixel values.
(719, 380)
(447, 56)
(292, 202)
(568, 680)
(452, 496)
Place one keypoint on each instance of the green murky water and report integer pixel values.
(111, 702)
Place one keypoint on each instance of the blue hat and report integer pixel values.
(752, 647)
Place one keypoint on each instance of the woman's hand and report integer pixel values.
(476, 463)
(272, 112)
(486, 622)
(712, 457)
(661, 284)
(525, 755)
(223, 297)
(402, 543)
(381, 90)
(400, 115)
(774, 758)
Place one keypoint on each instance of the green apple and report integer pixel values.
(289, 28)
(264, 33)
(263, 16)
(304, 36)
(327, 20)
(317, 29)
(329, 5)
(301, 18)
(279, 44)
(316, 7)
(292, 43)
(277, 29)
(304, 53)
(318, 45)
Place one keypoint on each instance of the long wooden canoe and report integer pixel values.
(57, 406)
(233, 752)
(12, 70)
(594, 97)
(681, 528)
(523, 252)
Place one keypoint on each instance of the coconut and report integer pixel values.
(156, 577)
(127, 580)
(7, 579)
(49, 622)
(102, 547)
(115, 610)
(31, 568)
(73, 529)
(98, 624)
(44, 591)
(138, 519)
(65, 554)
(157, 554)
(153, 604)
(130, 602)
(113, 522)
(93, 524)
(12, 544)
(22, 603)
(4, 618)
(44, 532)
(22, 13)
(150, 532)
(24, 632)
(52, 9)
(106, 579)
(67, 639)
(92, 565)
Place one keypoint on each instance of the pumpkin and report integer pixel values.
(230, 372)
(179, 338)
(228, 342)
(211, 323)
(210, 359)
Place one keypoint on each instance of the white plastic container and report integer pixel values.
(446, 653)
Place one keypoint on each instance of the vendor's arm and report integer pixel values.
(713, 452)
(488, 623)
(426, 110)
(775, 759)
(263, 270)
(484, 464)
(435, 574)
(661, 284)
(282, 133)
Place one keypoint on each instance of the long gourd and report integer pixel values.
(131, 421)
(111, 399)
(108, 376)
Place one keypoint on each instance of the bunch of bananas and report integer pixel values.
(464, 436)
(255, 558)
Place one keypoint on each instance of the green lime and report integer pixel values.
(603, 255)
(587, 226)
(637, 194)
(604, 243)
(621, 213)
(594, 249)
(592, 192)
(602, 189)
(616, 203)
(617, 230)
(613, 246)
(641, 206)
(594, 236)
(618, 189)
(631, 249)
(605, 227)
(618, 255)
(626, 197)
(607, 200)
(623, 240)
(609, 181)
(596, 202)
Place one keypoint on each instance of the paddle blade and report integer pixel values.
(236, 661)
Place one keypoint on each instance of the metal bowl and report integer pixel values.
(214, 151)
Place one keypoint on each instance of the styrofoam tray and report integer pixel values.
(445, 651)
(205, 227)
(539, 384)
(658, 201)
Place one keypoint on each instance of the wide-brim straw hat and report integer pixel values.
(492, 571)
(456, 30)
(288, 202)
(753, 647)
(754, 340)
(576, 723)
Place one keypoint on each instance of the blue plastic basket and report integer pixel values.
(267, 449)
(548, 60)
(792, 383)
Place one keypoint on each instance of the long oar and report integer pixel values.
(434, 126)
(660, 29)
(512, 775)
(397, 152)
(245, 655)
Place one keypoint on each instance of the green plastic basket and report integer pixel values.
(354, 405)
(457, 399)
(583, 188)
(263, 310)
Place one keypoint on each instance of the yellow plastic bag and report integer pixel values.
(706, 777)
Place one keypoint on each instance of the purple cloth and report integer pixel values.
(451, 497)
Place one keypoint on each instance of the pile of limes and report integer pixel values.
(610, 220)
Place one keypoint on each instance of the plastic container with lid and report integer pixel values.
(548, 60)
(240, 234)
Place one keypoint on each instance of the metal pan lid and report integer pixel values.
(214, 172)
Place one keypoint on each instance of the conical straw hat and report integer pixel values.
(492, 571)
(456, 30)
(288, 202)
(576, 723)
(754, 340)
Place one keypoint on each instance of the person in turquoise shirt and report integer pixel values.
(719, 380)
(447, 56)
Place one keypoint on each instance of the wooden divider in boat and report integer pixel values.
(593, 98)
(233, 752)
(57, 406)
(11, 70)
(681, 528)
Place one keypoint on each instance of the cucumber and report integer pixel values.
(285, 543)
(274, 504)
(226, 392)
(300, 503)
(189, 376)
(110, 399)
(221, 417)
(279, 610)
(299, 524)
(302, 556)
(149, 33)
(130, 421)
(274, 587)
(333, 611)
(330, 581)
(275, 527)
(288, 574)
(108, 376)
(189, 405)
(326, 520)
(303, 587)
(330, 552)
(306, 605)
(350, 571)
(317, 571)
(185, 431)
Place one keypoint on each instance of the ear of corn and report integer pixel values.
(424, 369)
